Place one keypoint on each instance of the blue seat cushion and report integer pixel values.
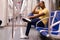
(55, 33)
(42, 28)
(45, 33)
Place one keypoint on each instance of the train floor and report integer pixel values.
(6, 33)
(9, 33)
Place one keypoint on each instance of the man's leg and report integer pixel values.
(33, 22)
(27, 19)
(28, 28)
(28, 25)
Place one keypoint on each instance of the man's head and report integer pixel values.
(42, 4)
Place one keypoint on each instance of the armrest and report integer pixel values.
(43, 19)
(55, 24)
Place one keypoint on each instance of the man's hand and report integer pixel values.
(34, 10)
(37, 4)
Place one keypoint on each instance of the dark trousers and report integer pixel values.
(33, 22)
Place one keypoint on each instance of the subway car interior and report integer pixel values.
(13, 26)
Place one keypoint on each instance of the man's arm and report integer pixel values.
(38, 15)
(34, 10)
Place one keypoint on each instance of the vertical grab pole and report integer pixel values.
(6, 10)
(49, 28)
(13, 18)
(49, 19)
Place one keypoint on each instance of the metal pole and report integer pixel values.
(6, 10)
(13, 18)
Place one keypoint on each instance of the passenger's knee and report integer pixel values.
(31, 14)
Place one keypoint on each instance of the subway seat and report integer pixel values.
(54, 26)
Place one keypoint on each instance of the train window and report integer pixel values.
(37, 3)
(57, 4)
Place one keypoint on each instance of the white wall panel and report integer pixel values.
(3, 11)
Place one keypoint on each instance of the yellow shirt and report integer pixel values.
(46, 12)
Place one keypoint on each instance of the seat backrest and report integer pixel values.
(56, 19)
(51, 16)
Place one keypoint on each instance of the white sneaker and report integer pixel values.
(26, 19)
(24, 37)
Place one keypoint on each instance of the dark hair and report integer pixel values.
(43, 2)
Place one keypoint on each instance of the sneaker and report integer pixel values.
(24, 37)
(26, 19)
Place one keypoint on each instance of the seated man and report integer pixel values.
(37, 14)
